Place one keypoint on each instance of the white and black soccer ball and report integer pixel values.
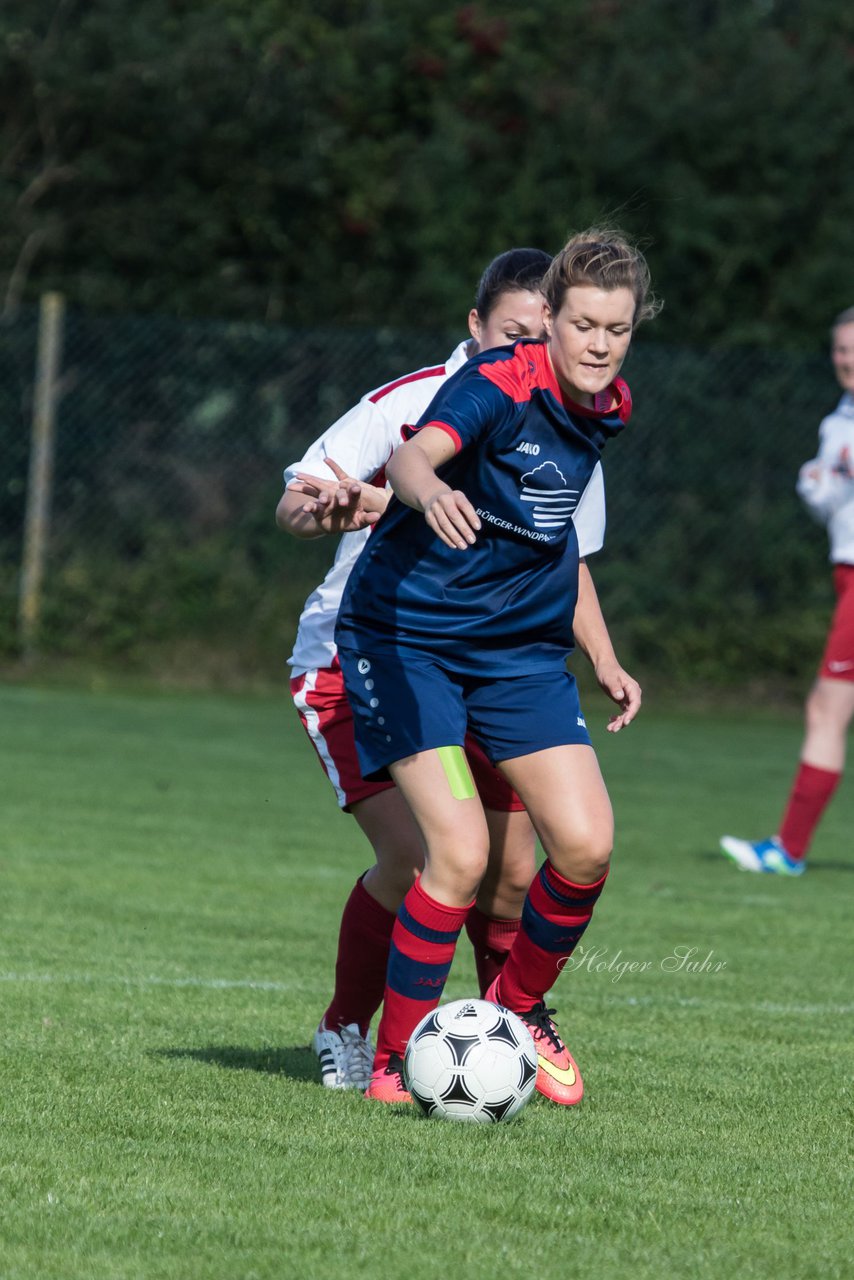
(471, 1060)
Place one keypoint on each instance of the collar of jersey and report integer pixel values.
(617, 392)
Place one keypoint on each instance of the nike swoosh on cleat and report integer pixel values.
(563, 1075)
(840, 666)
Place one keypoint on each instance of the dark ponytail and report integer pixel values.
(515, 269)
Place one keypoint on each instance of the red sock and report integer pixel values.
(363, 943)
(422, 947)
(554, 917)
(808, 799)
(492, 939)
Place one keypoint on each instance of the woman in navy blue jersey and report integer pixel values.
(460, 612)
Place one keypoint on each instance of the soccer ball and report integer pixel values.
(471, 1060)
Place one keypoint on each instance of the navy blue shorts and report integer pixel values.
(404, 701)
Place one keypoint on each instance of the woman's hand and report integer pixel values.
(342, 505)
(451, 516)
(622, 689)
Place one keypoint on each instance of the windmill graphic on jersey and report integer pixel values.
(546, 489)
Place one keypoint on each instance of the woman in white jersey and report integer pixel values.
(826, 485)
(354, 452)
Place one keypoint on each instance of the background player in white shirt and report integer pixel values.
(826, 485)
(353, 452)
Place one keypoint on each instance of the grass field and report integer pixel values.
(172, 869)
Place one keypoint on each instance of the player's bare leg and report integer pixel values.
(438, 788)
(511, 865)
(388, 824)
(565, 795)
(829, 711)
(341, 1041)
(494, 921)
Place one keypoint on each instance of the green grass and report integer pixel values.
(172, 868)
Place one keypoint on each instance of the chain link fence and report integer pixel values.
(170, 441)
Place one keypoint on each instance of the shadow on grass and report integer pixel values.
(298, 1063)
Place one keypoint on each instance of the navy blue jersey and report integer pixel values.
(525, 455)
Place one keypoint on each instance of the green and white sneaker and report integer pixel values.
(763, 856)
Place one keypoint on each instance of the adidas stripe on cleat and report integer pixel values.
(346, 1056)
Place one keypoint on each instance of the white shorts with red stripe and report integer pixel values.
(325, 713)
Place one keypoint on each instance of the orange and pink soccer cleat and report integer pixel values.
(386, 1083)
(558, 1077)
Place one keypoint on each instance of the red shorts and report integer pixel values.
(838, 660)
(325, 713)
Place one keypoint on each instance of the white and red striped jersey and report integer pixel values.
(826, 482)
(361, 442)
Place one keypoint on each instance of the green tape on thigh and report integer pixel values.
(457, 772)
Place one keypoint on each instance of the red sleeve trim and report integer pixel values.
(407, 432)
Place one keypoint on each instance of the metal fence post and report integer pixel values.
(37, 517)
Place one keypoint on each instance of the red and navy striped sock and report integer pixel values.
(422, 947)
(491, 939)
(363, 942)
(554, 917)
(811, 793)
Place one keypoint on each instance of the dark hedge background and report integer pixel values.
(259, 210)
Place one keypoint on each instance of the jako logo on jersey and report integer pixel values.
(525, 447)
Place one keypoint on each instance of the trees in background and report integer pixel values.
(307, 166)
(314, 162)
